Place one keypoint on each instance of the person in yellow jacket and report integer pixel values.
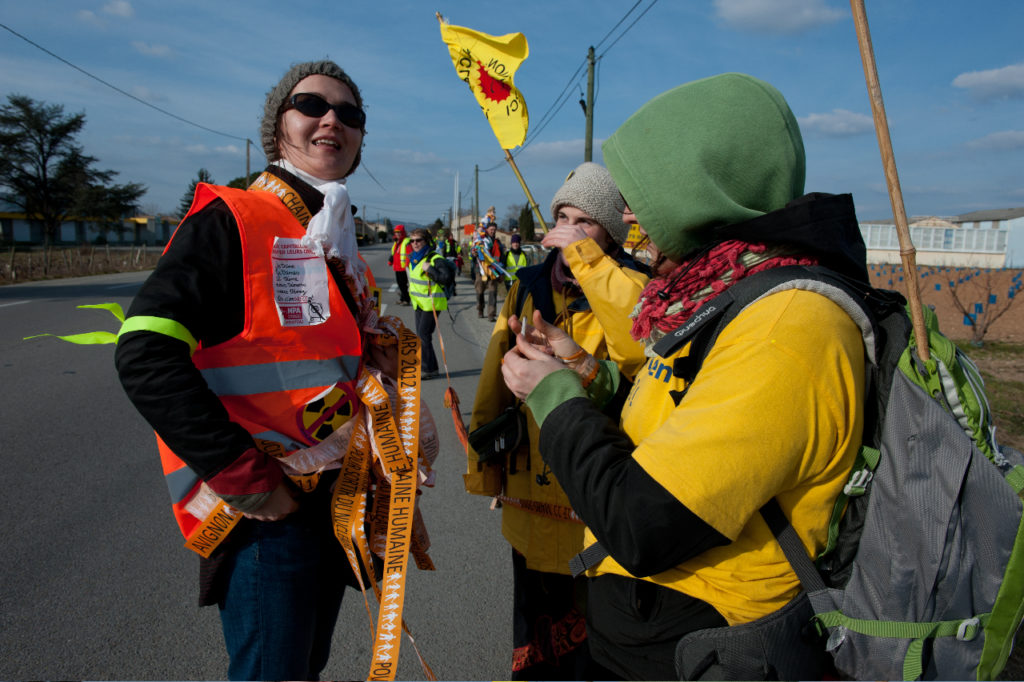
(427, 280)
(713, 172)
(586, 288)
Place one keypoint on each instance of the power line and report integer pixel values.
(653, 3)
(619, 23)
(566, 93)
(362, 164)
(117, 89)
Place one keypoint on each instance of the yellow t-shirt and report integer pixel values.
(774, 412)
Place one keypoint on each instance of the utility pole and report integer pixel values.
(588, 149)
(453, 223)
(476, 196)
(247, 174)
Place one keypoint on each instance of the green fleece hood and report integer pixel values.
(706, 154)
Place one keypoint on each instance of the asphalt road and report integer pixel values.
(95, 581)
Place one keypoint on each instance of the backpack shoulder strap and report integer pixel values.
(704, 326)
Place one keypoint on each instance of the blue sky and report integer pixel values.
(952, 76)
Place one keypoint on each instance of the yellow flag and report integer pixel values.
(487, 64)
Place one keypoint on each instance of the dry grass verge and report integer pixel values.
(19, 265)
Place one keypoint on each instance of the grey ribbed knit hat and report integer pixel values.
(277, 96)
(590, 188)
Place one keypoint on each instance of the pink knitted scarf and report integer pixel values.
(693, 282)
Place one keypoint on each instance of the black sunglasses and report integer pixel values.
(315, 106)
(416, 239)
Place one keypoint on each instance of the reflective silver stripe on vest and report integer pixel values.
(287, 442)
(285, 375)
(180, 483)
(423, 282)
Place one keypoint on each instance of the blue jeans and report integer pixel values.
(284, 589)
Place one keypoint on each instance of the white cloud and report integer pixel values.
(776, 16)
(837, 123)
(564, 153)
(1004, 139)
(147, 95)
(89, 17)
(151, 50)
(993, 83)
(415, 157)
(202, 149)
(119, 8)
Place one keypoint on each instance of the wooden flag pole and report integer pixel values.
(907, 250)
(533, 204)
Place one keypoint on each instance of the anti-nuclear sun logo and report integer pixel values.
(326, 414)
(493, 89)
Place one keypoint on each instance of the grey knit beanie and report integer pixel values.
(590, 188)
(279, 94)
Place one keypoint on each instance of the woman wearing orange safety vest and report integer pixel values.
(399, 261)
(245, 343)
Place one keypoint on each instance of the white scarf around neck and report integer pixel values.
(332, 231)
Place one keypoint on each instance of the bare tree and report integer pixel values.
(977, 298)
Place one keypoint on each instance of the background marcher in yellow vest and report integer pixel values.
(588, 289)
(223, 297)
(399, 262)
(428, 277)
(450, 249)
(515, 258)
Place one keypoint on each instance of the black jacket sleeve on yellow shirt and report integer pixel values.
(641, 525)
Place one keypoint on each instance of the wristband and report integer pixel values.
(591, 371)
(569, 359)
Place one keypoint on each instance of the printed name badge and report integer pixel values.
(300, 284)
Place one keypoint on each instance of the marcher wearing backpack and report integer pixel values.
(919, 577)
(429, 273)
(450, 249)
(712, 171)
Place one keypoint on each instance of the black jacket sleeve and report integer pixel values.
(638, 521)
(198, 283)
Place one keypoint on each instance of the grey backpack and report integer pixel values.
(923, 575)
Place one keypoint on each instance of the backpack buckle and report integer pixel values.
(858, 483)
(968, 629)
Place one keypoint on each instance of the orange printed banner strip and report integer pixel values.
(385, 434)
(384, 665)
(401, 510)
(409, 392)
(213, 529)
(348, 503)
(552, 511)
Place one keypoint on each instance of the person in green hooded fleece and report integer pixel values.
(713, 173)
